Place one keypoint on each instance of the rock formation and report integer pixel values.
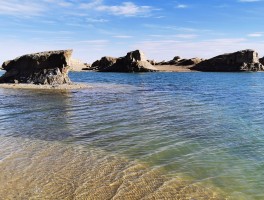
(50, 67)
(134, 61)
(87, 66)
(153, 62)
(246, 60)
(261, 60)
(104, 63)
(177, 61)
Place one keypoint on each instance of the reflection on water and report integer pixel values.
(155, 135)
(32, 113)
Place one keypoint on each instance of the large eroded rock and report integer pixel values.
(104, 63)
(134, 61)
(50, 67)
(246, 60)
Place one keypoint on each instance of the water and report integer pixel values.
(133, 136)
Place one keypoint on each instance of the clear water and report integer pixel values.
(151, 135)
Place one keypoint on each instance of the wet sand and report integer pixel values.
(46, 87)
(174, 68)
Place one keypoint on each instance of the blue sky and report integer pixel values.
(162, 29)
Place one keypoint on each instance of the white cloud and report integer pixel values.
(249, 1)
(62, 3)
(29, 8)
(181, 36)
(255, 35)
(122, 36)
(91, 4)
(186, 36)
(181, 6)
(125, 9)
(175, 28)
(18, 8)
(96, 20)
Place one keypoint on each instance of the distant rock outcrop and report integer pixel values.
(50, 67)
(104, 63)
(178, 61)
(87, 66)
(134, 61)
(246, 60)
(261, 60)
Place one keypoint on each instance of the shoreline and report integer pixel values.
(174, 68)
(72, 86)
(160, 68)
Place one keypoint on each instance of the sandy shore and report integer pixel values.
(49, 87)
(77, 68)
(161, 68)
(173, 68)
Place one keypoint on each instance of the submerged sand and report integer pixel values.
(49, 87)
(34, 169)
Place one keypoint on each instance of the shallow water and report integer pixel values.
(133, 136)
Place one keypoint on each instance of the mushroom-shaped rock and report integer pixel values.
(50, 67)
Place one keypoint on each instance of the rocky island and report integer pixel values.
(47, 69)
(245, 60)
(50, 68)
(134, 61)
(177, 64)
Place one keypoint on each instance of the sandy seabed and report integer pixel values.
(49, 87)
(34, 169)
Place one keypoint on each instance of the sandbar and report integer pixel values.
(174, 68)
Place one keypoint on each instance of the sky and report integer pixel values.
(161, 29)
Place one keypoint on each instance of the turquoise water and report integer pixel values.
(206, 128)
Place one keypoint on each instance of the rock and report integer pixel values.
(261, 60)
(246, 60)
(186, 62)
(177, 61)
(134, 61)
(50, 67)
(176, 58)
(87, 66)
(134, 56)
(104, 63)
(153, 62)
(163, 63)
(95, 64)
